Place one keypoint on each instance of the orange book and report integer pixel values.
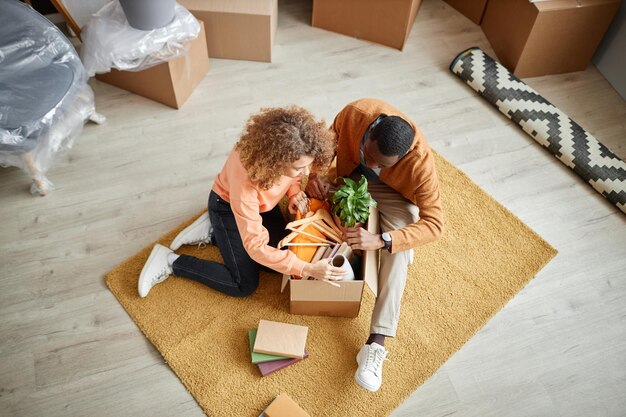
(284, 406)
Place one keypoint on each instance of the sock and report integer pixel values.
(171, 258)
(376, 338)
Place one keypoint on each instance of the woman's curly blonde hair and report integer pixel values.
(276, 137)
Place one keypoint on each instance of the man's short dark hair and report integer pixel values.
(394, 136)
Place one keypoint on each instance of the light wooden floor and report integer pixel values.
(67, 348)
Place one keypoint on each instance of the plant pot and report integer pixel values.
(148, 14)
(343, 228)
(342, 262)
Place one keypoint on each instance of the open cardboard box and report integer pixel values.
(318, 298)
(170, 83)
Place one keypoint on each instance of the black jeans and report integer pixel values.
(239, 275)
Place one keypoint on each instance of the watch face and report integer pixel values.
(386, 237)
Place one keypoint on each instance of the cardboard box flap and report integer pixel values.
(256, 7)
(286, 279)
(314, 290)
(370, 257)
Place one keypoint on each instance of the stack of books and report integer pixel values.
(331, 251)
(275, 345)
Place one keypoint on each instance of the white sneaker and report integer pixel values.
(369, 374)
(155, 270)
(199, 231)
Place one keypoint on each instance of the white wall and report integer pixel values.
(610, 58)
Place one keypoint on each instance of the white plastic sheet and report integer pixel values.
(110, 42)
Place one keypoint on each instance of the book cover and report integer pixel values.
(267, 368)
(260, 357)
(283, 339)
(318, 254)
(284, 406)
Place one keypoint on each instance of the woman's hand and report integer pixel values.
(317, 187)
(323, 270)
(299, 202)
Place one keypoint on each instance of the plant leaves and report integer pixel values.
(362, 187)
(352, 202)
(350, 183)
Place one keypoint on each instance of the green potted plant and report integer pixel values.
(352, 202)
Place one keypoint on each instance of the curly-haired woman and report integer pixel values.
(277, 148)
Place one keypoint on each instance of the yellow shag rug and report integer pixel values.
(454, 287)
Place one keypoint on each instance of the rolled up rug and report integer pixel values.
(545, 123)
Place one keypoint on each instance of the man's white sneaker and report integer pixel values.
(369, 374)
(156, 270)
(197, 232)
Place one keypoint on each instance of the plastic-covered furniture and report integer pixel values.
(44, 96)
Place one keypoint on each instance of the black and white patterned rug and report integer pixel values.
(549, 126)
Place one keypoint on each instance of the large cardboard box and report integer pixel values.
(237, 29)
(472, 9)
(170, 83)
(546, 37)
(317, 298)
(385, 22)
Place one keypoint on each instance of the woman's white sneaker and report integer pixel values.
(156, 270)
(369, 374)
(197, 232)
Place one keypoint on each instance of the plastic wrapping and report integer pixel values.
(110, 42)
(44, 96)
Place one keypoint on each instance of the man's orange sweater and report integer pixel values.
(414, 176)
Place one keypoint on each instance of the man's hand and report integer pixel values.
(359, 238)
(317, 187)
(299, 202)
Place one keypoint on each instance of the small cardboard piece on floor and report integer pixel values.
(532, 39)
(372, 20)
(472, 9)
(170, 83)
(317, 298)
(237, 29)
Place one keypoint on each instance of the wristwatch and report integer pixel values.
(387, 239)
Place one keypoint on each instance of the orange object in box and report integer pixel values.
(306, 252)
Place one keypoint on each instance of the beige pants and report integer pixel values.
(395, 213)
